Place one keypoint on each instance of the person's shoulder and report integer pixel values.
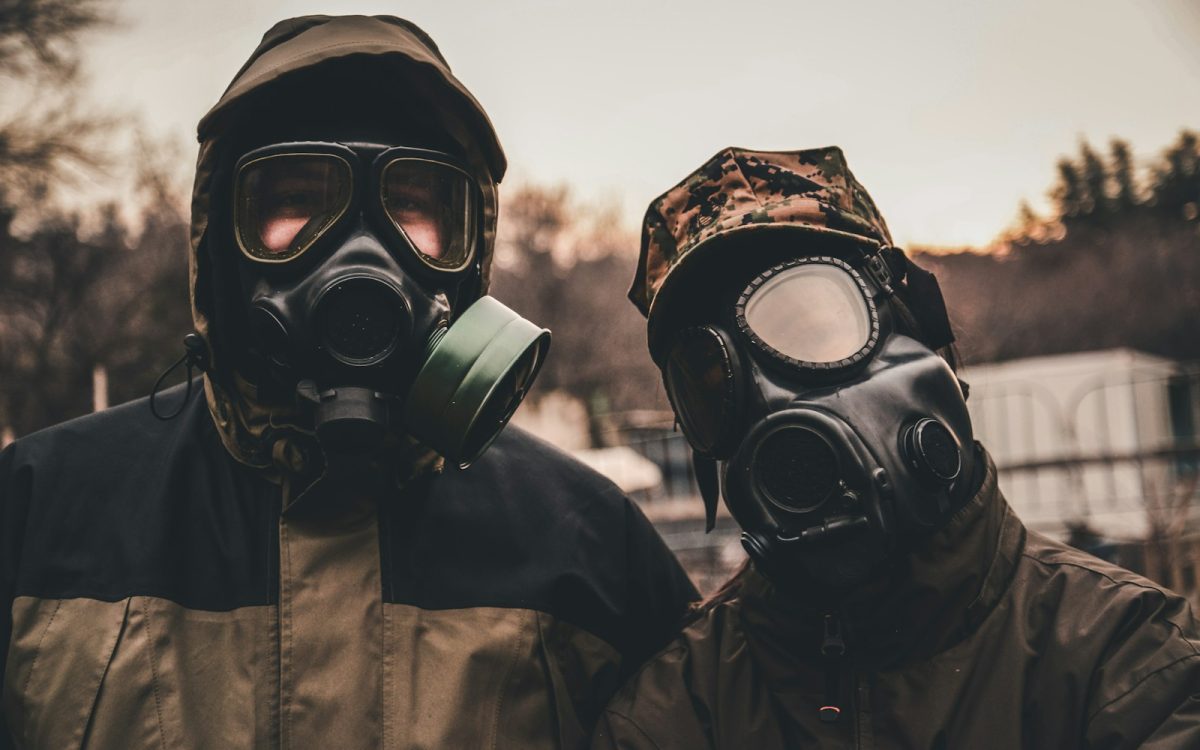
(1121, 625)
(671, 698)
(122, 455)
(709, 641)
(1067, 569)
(517, 445)
(106, 440)
(527, 465)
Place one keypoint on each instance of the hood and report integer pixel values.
(408, 64)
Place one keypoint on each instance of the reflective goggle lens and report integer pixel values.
(700, 384)
(432, 205)
(285, 202)
(812, 313)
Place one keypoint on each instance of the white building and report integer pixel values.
(1085, 438)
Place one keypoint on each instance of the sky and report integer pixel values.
(949, 112)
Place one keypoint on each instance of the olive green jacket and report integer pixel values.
(990, 636)
(157, 595)
(162, 586)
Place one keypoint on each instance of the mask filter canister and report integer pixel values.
(475, 375)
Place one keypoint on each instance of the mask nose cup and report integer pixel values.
(475, 375)
(360, 319)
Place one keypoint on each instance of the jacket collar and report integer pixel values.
(933, 598)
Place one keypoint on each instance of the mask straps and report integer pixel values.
(709, 484)
(196, 358)
(922, 295)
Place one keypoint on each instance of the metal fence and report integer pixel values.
(1115, 470)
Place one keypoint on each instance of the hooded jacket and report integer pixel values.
(160, 591)
(987, 636)
(983, 635)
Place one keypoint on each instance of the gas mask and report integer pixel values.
(353, 257)
(835, 439)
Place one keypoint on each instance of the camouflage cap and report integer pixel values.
(740, 191)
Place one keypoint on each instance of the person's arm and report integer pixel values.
(1162, 712)
(1147, 691)
(13, 496)
(660, 594)
(615, 731)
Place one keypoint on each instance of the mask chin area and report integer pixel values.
(814, 503)
(829, 564)
(348, 419)
(817, 504)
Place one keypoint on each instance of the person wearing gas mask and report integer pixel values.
(330, 542)
(892, 598)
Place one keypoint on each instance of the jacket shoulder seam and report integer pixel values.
(635, 726)
(1102, 574)
(1166, 593)
(1194, 655)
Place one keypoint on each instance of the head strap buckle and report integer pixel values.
(877, 268)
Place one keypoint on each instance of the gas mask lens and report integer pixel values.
(285, 202)
(701, 380)
(815, 312)
(431, 205)
(287, 196)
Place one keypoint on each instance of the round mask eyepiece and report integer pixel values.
(703, 382)
(815, 314)
(931, 451)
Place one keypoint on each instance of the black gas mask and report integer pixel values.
(354, 260)
(836, 439)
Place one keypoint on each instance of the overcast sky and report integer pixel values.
(950, 112)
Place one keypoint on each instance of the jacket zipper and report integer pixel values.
(833, 649)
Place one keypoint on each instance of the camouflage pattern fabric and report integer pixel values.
(739, 191)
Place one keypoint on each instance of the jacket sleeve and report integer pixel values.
(12, 499)
(1147, 690)
(660, 593)
(615, 731)
(1161, 713)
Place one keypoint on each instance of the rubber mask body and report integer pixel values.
(346, 318)
(837, 440)
(827, 483)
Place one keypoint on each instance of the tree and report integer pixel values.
(1175, 180)
(1096, 202)
(43, 134)
(74, 298)
(1125, 180)
(566, 266)
(1069, 194)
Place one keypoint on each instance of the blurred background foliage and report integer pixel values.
(1115, 263)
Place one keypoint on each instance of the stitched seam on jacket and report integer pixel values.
(285, 636)
(87, 728)
(1115, 582)
(636, 728)
(162, 737)
(1139, 683)
(518, 643)
(37, 651)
